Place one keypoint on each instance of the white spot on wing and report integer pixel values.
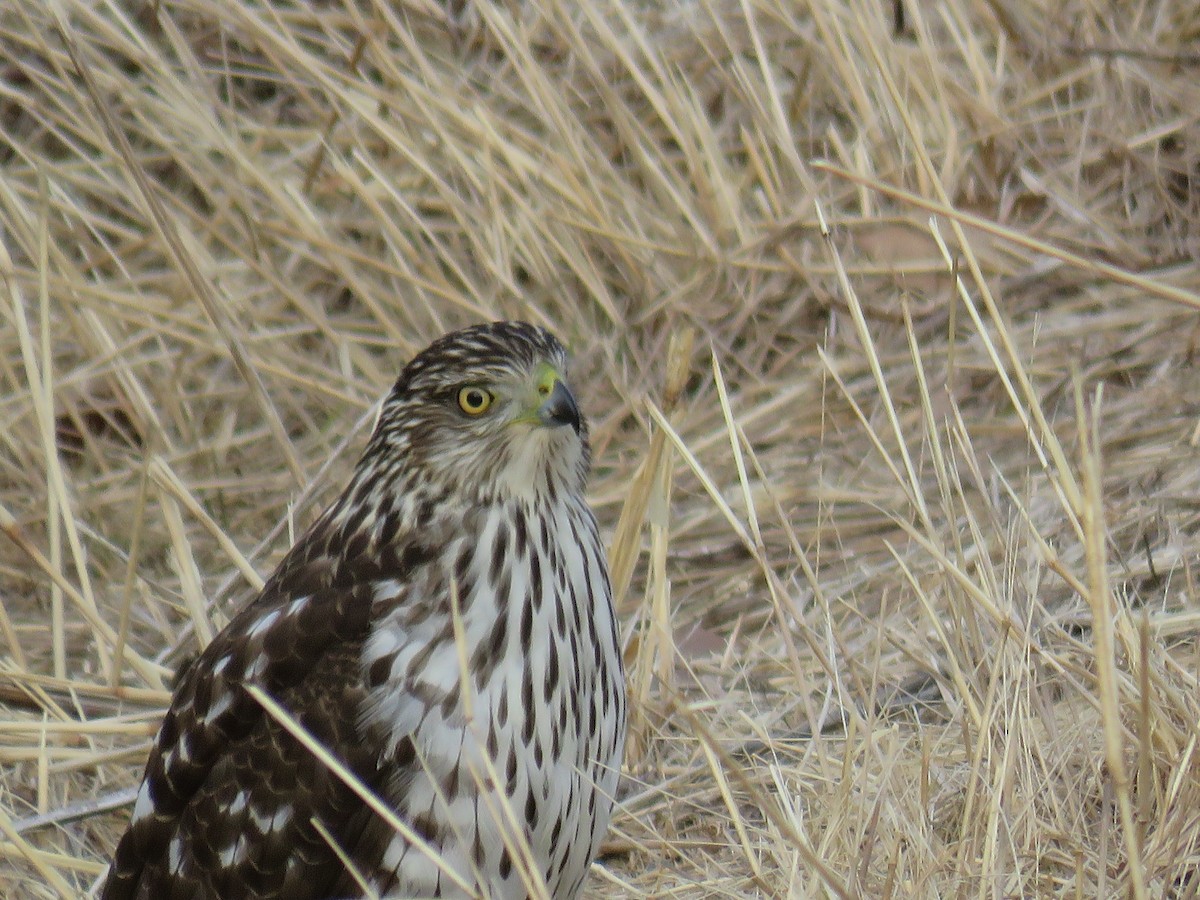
(144, 805)
(235, 853)
(238, 804)
(282, 816)
(175, 854)
(387, 589)
(218, 706)
(268, 821)
(263, 624)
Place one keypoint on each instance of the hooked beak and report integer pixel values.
(559, 407)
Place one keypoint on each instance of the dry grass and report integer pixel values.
(911, 538)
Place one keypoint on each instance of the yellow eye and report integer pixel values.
(474, 401)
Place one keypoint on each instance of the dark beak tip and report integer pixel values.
(560, 408)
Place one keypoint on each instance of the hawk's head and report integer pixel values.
(486, 412)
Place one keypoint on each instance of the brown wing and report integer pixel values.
(226, 805)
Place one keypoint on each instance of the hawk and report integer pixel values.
(446, 630)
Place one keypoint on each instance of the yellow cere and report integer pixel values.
(547, 376)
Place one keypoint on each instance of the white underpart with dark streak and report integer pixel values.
(559, 784)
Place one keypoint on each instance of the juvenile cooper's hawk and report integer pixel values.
(462, 546)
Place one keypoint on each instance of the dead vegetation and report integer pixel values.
(910, 534)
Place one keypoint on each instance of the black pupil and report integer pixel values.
(475, 399)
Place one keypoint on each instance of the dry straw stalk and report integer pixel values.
(884, 316)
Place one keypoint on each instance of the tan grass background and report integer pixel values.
(910, 530)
